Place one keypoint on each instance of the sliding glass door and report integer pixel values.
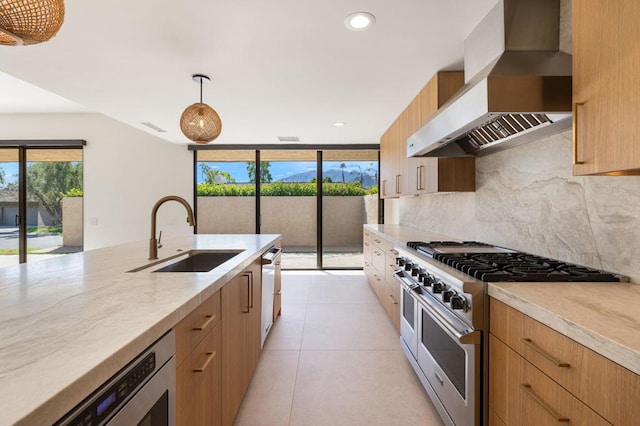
(317, 199)
(225, 192)
(41, 193)
(288, 204)
(349, 200)
(9, 211)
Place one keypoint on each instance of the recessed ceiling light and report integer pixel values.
(338, 124)
(359, 21)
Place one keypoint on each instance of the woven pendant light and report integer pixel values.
(199, 122)
(24, 22)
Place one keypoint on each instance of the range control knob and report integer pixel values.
(447, 295)
(439, 287)
(428, 280)
(399, 261)
(422, 276)
(408, 265)
(459, 302)
(415, 271)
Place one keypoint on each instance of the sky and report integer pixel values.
(282, 169)
(10, 172)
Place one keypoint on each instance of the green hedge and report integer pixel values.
(279, 189)
(73, 192)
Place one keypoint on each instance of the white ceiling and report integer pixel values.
(278, 67)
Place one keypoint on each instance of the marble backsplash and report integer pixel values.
(527, 199)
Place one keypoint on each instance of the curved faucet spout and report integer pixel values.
(153, 242)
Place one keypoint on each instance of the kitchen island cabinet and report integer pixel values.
(606, 87)
(69, 323)
(241, 301)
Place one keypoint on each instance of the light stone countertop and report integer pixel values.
(604, 317)
(68, 324)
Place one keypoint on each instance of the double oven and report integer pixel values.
(445, 321)
(441, 328)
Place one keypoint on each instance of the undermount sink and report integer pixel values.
(191, 261)
(199, 261)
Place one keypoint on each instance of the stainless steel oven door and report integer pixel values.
(449, 354)
(408, 315)
(155, 402)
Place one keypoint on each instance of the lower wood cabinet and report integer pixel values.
(217, 351)
(199, 365)
(379, 264)
(241, 308)
(565, 379)
(199, 383)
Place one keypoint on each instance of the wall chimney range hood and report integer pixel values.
(517, 85)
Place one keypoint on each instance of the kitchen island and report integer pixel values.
(67, 324)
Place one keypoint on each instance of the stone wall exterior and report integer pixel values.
(72, 221)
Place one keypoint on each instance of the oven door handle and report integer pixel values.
(464, 337)
(406, 283)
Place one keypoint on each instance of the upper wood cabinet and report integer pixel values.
(400, 175)
(606, 87)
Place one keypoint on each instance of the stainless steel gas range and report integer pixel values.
(444, 318)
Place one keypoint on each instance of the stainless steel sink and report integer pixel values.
(191, 261)
(199, 261)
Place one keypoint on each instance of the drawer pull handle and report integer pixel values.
(392, 299)
(394, 267)
(556, 362)
(527, 389)
(210, 357)
(394, 251)
(206, 324)
(575, 132)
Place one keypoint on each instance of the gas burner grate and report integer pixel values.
(521, 267)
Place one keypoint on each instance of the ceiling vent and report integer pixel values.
(153, 127)
(288, 139)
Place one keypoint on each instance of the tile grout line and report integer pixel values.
(295, 381)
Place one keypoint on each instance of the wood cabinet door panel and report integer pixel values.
(597, 381)
(194, 327)
(522, 395)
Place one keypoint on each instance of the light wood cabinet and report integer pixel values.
(240, 303)
(400, 175)
(597, 382)
(606, 87)
(199, 383)
(199, 362)
(519, 394)
(379, 273)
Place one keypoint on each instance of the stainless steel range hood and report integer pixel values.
(517, 85)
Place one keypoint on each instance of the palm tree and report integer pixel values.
(342, 167)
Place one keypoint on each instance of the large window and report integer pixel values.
(317, 231)
(40, 201)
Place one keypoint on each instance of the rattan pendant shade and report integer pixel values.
(24, 22)
(199, 122)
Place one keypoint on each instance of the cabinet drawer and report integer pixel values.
(384, 245)
(600, 383)
(519, 394)
(192, 329)
(379, 261)
(199, 383)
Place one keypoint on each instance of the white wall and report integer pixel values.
(126, 171)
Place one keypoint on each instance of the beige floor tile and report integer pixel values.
(268, 400)
(348, 326)
(345, 290)
(286, 333)
(359, 388)
(295, 289)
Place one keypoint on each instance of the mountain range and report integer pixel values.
(335, 175)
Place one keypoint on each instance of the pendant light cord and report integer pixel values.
(200, 89)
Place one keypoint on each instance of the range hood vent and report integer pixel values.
(517, 88)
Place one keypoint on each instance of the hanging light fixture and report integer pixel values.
(200, 122)
(24, 22)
